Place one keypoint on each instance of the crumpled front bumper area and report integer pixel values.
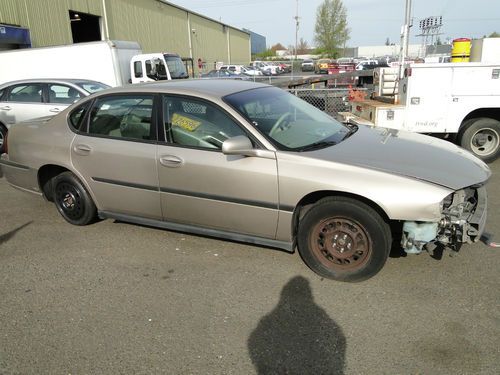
(463, 221)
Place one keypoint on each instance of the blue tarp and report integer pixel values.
(15, 35)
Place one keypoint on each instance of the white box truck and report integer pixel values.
(114, 63)
(458, 101)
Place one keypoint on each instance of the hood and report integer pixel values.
(408, 154)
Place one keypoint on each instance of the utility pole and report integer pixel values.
(296, 18)
(405, 34)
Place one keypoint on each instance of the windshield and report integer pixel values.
(92, 87)
(176, 67)
(287, 121)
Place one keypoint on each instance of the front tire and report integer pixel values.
(72, 200)
(481, 136)
(343, 239)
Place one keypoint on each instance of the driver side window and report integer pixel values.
(193, 123)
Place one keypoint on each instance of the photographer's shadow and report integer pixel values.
(297, 337)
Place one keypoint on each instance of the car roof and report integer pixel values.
(49, 80)
(206, 87)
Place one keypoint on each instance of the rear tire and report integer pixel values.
(72, 200)
(481, 136)
(3, 138)
(343, 239)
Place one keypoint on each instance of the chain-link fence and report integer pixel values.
(330, 101)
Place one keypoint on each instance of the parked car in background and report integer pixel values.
(251, 162)
(232, 68)
(285, 68)
(265, 67)
(222, 74)
(251, 71)
(321, 66)
(307, 65)
(27, 99)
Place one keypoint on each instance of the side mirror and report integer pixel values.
(241, 145)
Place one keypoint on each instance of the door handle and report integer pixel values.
(55, 110)
(6, 108)
(171, 161)
(82, 149)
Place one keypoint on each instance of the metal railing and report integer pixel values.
(330, 101)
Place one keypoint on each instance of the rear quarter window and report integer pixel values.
(76, 116)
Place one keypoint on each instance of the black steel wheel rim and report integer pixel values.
(69, 200)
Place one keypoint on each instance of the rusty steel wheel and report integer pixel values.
(343, 239)
(340, 243)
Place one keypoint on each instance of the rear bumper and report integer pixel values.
(19, 175)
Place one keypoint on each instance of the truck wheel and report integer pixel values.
(3, 136)
(72, 200)
(481, 136)
(343, 239)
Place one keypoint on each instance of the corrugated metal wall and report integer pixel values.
(240, 47)
(155, 25)
(209, 40)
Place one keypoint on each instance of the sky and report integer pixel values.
(371, 21)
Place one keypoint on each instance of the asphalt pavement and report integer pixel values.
(116, 298)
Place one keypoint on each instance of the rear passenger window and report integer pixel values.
(126, 117)
(29, 93)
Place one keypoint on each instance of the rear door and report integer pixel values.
(115, 152)
(22, 102)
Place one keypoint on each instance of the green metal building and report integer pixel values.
(157, 25)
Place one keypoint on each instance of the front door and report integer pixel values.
(200, 185)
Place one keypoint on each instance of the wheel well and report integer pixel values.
(310, 199)
(493, 113)
(45, 175)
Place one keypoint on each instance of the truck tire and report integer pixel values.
(481, 136)
(344, 239)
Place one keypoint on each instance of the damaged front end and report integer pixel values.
(463, 219)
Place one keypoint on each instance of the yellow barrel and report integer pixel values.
(460, 51)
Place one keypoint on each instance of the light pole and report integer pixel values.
(296, 18)
(403, 52)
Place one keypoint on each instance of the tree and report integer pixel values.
(277, 47)
(302, 47)
(268, 53)
(494, 35)
(331, 31)
(387, 42)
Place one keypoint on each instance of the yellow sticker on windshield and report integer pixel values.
(185, 122)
